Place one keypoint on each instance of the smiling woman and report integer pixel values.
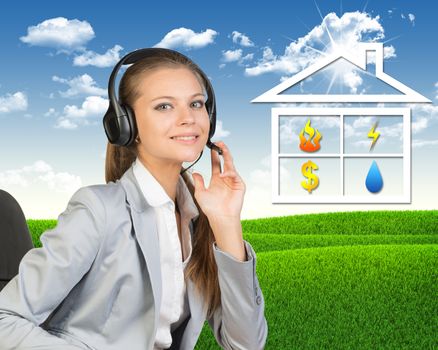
(144, 260)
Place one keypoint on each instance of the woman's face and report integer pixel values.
(171, 105)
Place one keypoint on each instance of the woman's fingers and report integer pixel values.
(229, 173)
(226, 154)
(198, 181)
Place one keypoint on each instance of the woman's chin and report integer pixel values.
(188, 157)
(187, 153)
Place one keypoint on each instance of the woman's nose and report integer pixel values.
(186, 115)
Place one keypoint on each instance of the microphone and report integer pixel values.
(212, 146)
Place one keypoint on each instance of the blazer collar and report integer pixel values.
(133, 191)
(136, 200)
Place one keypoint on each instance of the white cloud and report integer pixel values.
(63, 123)
(60, 33)
(241, 39)
(268, 54)
(347, 32)
(91, 58)
(93, 105)
(349, 130)
(187, 38)
(262, 176)
(248, 57)
(220, 132)
(423, 114)
(424, 110)
(13, 102)
(12, 178)
(353, 80)
(410, 17)
(388, 52)
(424, 143)
(419, 124)
(393, 131)
(235, 56)
(363, 122)
(80, 85)
(74, 116)
(50, 113)
(289, 131)
(40, 173)
(436, 92)
(232, 55)
(365, 143)
(259, 187)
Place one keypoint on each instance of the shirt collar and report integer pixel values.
(156, 196)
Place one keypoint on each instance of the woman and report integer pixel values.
(144, 260)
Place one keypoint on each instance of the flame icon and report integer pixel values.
(306, 144)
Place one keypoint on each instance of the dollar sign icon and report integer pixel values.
(312, 180)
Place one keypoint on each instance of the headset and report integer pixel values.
(119, 120)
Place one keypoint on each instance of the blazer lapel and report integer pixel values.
(145, 229)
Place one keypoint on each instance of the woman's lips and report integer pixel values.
(185, 139)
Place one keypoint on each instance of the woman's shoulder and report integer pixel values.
(101, 200)
(100, 195)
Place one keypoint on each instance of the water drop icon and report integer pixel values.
(374, 180)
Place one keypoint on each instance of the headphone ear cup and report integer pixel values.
(131, 134)
(111, 125)
(121, 129)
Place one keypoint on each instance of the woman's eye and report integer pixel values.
(163, 106)
(198, 104)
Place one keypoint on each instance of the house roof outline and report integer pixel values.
(360, 60)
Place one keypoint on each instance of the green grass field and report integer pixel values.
(356, 280)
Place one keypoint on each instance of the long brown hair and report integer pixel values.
(201, 268)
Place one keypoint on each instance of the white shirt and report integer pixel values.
(174, 307)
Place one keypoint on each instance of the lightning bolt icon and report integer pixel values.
(374, 135)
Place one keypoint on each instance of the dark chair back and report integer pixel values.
(15, 239)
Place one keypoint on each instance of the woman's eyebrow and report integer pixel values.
(173, 98)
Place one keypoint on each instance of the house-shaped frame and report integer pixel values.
(358, 58)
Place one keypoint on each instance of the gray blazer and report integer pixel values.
(96, 283)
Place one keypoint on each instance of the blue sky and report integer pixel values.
(56, 59)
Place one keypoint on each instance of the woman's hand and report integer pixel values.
(222, 203)
(223, 199)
